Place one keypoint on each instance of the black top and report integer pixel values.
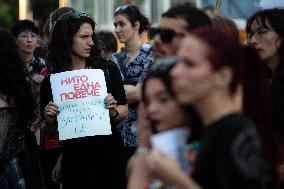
(277, 88)
(19, 163)
(94, 161)
(232, 157)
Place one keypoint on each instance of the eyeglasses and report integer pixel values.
(258, 33)
(166, 34)
(27, 35)
(163, 64)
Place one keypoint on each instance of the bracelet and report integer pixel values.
(142, 151)
(115, 115)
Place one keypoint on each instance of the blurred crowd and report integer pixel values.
(194, 107)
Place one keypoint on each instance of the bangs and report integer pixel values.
(263, 21)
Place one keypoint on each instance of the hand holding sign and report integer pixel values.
(80, 98)
(111, 105)
(51, 111)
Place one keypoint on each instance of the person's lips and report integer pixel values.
(119, 36)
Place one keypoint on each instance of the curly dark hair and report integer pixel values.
(60, 46)
(14, 88)
(133, 14)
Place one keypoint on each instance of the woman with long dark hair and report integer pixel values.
(95, 161)
(265, 30)
(19, 164)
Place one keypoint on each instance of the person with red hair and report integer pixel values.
(238, 149)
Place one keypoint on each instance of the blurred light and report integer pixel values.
(265, 4)
(24, 10)
(63, 3)
(23, 6)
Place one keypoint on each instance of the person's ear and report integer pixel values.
(223, 77)
(278, 42)
(137, 25)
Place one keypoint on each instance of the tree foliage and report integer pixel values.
(9, 11)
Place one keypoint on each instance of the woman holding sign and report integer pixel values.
(91, 161)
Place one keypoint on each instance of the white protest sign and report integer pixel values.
(80, 96)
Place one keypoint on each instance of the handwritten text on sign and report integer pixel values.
(80, 96)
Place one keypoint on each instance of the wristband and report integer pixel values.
(115, 115)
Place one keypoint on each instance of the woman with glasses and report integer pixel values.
(95, 161)
(134, 61)
(26, 36)
(265, 30)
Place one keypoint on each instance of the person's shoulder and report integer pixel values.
(236, 120)
(39, 61)
(247, 152)
(147, 47)
(229, 127)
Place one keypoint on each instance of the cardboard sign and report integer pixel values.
(80, 96)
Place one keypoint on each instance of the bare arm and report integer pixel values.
(56, 171)
(116, 112)
(122, 111)
(133, 93)
(50, 113)
(138, 172)
(167, 170)
(143, 126)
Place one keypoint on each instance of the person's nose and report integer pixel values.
(253, 39)
(175, 71)
(157, 39)
(29, 38)
(90, 42)
(117, 29)
(152, 108)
